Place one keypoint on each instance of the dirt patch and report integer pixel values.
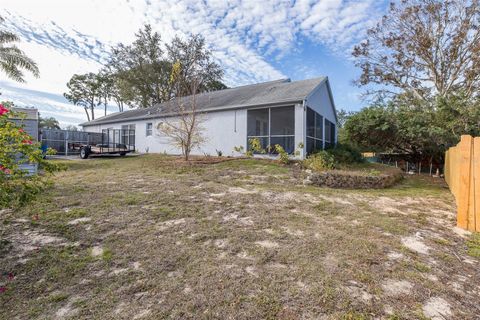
(395, 255)
(415, 243)
(267, 244)
(26, 241)
(461, 232)
(396, 288)
(356, 291)
(66, 311)
(97, 251)
(293, 232)
(251, 270)
(241, 190)
(437, 309)
(218, 195)
(79, 220)
(230, 217)
(337, 200)
(330, 263)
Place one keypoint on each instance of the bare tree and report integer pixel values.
(193, 71)
(183, 126)
(424, 48)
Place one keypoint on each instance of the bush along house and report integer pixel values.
(300, 116)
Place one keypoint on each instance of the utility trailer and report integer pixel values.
(110, 141)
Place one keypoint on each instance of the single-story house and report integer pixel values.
(298, 115)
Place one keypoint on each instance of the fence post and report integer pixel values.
(66, 143)
(463, 191)
(476, 182)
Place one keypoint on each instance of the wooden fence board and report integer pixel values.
(476, 184)
(463, 192)
(462, 174)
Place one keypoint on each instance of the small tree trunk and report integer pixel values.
(92, 108)
(88, 115)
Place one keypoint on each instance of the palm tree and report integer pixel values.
(12, 59)
(48, 123)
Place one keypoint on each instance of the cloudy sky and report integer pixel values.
(254, 41)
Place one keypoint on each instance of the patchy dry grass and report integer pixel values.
(151, 237)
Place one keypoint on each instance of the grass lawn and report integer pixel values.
(149, 237)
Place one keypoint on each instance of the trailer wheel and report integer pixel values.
(122, 154)
(84, 153)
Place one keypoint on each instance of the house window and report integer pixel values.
(314, 131)
(149, 127)
(272, 126)
(128, 134)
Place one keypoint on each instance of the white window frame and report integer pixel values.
(148, 131)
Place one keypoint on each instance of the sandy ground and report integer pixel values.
(149, 238)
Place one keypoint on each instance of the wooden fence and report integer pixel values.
(462, 173)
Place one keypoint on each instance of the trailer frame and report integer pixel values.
(113, 141)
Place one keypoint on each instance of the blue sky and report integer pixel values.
(253, 40)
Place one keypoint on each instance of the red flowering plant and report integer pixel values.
(17, 148)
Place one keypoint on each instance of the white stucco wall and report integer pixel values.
(222, 131)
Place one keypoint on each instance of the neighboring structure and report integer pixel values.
(28, 118)
(298, 115)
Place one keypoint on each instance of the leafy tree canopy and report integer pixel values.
(85, 90)
(417, 130)
(48, 123)
(142, 70)
(426, 48)
(422, 62)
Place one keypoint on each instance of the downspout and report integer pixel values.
(304, 130)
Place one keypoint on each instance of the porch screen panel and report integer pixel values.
(329, 128)
(258, 126)
(258, 123)
(318, 127)
(272, 126)
(332, 133)
(124, 134)
(131, 135)
(314, 131)
(310, 123)
(287, 142)
(282, 123)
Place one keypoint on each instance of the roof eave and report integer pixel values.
(153, 116)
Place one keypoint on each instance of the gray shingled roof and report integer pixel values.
(279, 91)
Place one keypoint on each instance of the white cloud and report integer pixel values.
(74, 36)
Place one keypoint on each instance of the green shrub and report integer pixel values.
(16, 148)
(283, 155)
(345, 154)
(320, 161)
(256, 146)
